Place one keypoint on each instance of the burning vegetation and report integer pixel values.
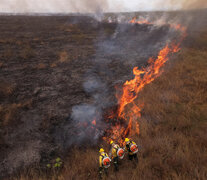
(61, 98)
(129, 110)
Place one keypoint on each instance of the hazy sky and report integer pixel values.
(25, 6)
(134, 5)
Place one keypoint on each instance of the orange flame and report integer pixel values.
(135, 21)
(94, 122)
(132, 88)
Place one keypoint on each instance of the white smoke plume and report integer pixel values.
(93, 6)
(53, 6)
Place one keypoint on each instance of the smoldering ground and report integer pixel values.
(55, 98)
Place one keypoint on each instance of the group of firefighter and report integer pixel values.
(117, 153)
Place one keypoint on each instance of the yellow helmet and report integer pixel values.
(126, 139)
(101, 150)
(111, 142)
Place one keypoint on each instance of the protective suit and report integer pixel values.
(104, 163)
(117, 153)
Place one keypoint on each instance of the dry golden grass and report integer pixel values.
(173, 126)
(63, 56)
(53, 65)
(41, 66)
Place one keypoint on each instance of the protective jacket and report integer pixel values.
(114, 150)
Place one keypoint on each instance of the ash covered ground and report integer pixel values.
(58, 71)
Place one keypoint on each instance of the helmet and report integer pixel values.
(126, 139)
(111, 142)
(101, 150)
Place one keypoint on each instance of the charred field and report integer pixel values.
(58, 72)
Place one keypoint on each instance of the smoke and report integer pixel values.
(115, 56)
(95, 6)
(125, 42)
(85, 115)
(53, 6)
(191, 4)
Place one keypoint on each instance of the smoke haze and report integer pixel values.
(93, 6)
(192, 4)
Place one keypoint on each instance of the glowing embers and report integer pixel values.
(141, 21)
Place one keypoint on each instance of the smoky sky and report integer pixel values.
(93, 6)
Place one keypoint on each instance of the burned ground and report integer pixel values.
(50, 66)
(45, 62)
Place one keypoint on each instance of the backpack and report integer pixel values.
(106, 161)
(133, 147)
(119, 151)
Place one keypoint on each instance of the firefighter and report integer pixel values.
(132, 149)
(117, 153)
(104, 163)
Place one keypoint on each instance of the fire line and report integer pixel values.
(132, 88)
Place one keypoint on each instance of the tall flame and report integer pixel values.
(132, 88)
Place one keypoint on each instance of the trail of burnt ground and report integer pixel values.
(45, 64)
